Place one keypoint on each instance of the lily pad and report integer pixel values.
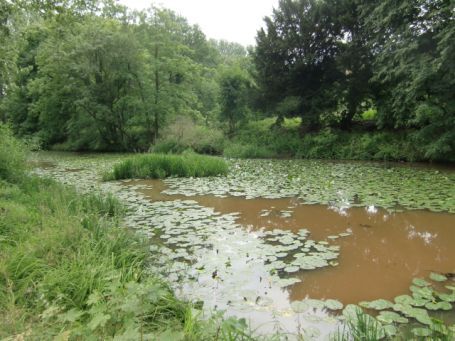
(377, 304)
(421, 332)
(333, 304)
(437, 277)
(420, 282)
(447, 297)
(404, 299)
(438, 306)
(389, 317)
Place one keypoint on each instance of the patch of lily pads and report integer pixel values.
(335, 184)
(413, 312)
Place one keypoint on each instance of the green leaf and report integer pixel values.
(71, 315)
(438, 306)
(404, 299)
(437, 277)
(99, 320)
(420, 282)
(389, 317)
(333, 304)
(377, 304)
(421, 332)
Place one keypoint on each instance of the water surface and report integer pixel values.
(379, 260)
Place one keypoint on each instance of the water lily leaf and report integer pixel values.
(447, 297)
(390, 330)
(377, 304)
(437, 277)
(291, 269)
(420, 315)
(420, 301)
(389, 317)
(404, 299)
(333, 304)
(425, 292)
(299, 306)
(438, 306)
(420, 282)
(421, 332)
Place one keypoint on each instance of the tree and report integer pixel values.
(86, 85)
(234, 83)
(354, 60)
(414, 72)
(295, 56)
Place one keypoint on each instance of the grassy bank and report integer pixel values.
(159, 166)
(67, 269)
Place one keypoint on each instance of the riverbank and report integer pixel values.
(263, 139)
(69, 269)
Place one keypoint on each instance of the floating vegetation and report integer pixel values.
(209, 256)
(414, 310)
(336, 184)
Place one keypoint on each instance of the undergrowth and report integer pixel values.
(265, 140)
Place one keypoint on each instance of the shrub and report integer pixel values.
(158, 166)
(247, 151)
(184, 134)
(12, 155)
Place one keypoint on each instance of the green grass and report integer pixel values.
(68, 270)
(360, 327)
(159, 166)
(12, 155)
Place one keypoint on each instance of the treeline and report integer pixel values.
(329, 61)
(94, 75)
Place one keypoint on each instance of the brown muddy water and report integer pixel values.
(385, 252)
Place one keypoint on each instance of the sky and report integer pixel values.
(232, 20)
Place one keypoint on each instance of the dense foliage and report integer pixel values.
(94, 75)
(337, 58)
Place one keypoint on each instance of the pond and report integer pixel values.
(274, 239)
(384, 253)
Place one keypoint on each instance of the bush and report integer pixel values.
(159, 166)
(262, 139)
(12, 156)
(184, 134)
(247, 151)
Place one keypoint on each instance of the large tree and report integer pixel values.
(295, 56)
(414, 69)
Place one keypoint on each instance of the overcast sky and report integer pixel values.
(233, 20)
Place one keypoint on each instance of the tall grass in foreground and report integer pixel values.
(12, 155)
(159, 166)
